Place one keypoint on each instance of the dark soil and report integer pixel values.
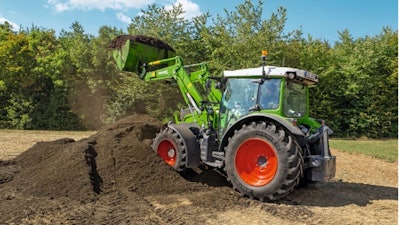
(118, 157)
(120, 40)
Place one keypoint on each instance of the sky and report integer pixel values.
(322, 19)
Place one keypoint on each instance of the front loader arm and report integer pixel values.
(185, 80)
(203, 76)
(175, 72)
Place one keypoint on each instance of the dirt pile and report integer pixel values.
(119, 155)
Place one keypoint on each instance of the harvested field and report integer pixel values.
(14, 142)
(113, 177)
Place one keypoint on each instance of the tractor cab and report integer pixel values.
(282, 91)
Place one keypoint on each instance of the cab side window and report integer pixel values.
(295, 102)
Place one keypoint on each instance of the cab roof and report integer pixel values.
(297, 75)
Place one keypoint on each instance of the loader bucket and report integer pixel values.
(131, 51)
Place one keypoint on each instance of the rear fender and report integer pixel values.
(263, 117)
(187, 133)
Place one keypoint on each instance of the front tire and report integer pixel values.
(263, 161)
(169, 146)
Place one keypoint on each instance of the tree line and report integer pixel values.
(69, 81)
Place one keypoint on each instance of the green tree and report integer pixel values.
(50, 91)
(358, 90)
(236, 40)
(83, 93)
(31, 79)
(15, 66)
(165, 24)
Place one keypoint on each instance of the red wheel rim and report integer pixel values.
(167, 151)
(256, 162)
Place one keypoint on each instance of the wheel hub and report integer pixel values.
(262, 162)
(171, 153)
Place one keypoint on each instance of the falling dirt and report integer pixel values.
(113, 177)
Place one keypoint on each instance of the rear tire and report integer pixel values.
(169, 146)
(263, 161)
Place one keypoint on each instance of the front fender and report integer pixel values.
(186, 131)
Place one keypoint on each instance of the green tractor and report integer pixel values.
(252, 123)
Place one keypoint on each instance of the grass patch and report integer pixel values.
(382, 149)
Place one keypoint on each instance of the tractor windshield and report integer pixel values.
(240, 97)
(241, 94)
